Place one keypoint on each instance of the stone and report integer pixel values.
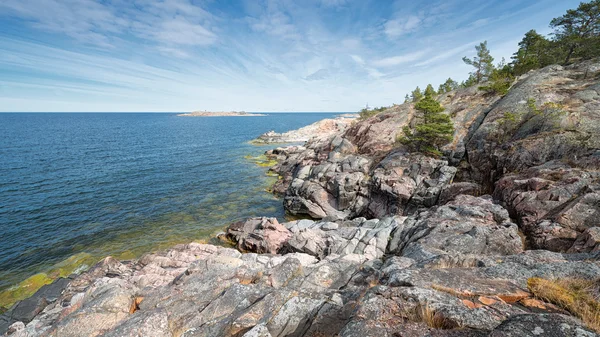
(466, 226)
(588, 241)
(259, 235)
(532, 325)
(258, 331)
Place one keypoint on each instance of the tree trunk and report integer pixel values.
(571, 50)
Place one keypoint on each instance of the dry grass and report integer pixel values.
(434, 319)
(449, 290)
(577, 296)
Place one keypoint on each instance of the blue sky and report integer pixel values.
(252, 55)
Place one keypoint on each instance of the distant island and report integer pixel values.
(220, 114)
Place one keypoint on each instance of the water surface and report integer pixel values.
(77, 187)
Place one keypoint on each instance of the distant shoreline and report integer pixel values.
(220, 114)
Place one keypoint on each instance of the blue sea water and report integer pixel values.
(97, 184)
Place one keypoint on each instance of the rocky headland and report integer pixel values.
(220, 114)
(498, 237)
(321, 130)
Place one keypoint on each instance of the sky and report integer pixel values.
(250, 55)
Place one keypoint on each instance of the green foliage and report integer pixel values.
(545, 117)
(534, 53)
(500, 80)
(366, 112)
(406, 99)
(483, 63)
(508, 124)
(429, 91)
(447, 86)
(429, 105)
(469, 82)
(578, 31)
(433, 129)
(416, 95)
(576, 35)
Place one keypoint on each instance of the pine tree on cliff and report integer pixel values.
(483, 63)
(433, 129)
(429, 91)
(533, 53)
(578, 31)
(447, 86)
(416, 95)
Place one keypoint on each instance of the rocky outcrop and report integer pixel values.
(457, 233)
(454, 270)
(542, 163)
(320, 129)
(363, 171)
(554, 202)
(566, 129)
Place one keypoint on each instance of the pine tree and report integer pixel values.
(500, 80)
(406, 99)
(447, 86)
(433, 130)
(441, 89)
(578, 31)
(416, 95)
(469, 82)
(429, 91)
(533, 53)
(483, 62)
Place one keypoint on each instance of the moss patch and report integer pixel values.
(73, 265)
(262, 160)
(24, 289)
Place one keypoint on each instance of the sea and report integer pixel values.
(76, 187)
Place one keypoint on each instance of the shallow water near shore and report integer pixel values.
(77, 187)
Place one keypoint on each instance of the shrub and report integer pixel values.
(545, 117)
(366, 113)
(500, 81)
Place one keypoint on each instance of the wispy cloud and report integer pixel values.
(253, 55)
(165, 23)
(400, 59)
(398, 27)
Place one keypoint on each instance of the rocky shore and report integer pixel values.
(322, 129)
(398, 244)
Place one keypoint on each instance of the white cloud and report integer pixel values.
(398, 27)
(447, 54)
(480, 22)
(358, 59)
(174, 52)
(397, 60)
(169, 22)
(318, 75)
(180, 31)
(275, 23)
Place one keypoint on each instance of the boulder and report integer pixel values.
(259, 235)
(588, 241)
